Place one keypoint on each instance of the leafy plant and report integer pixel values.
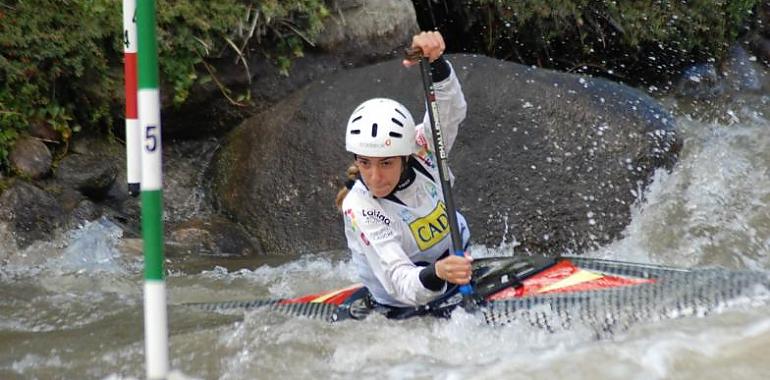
(61, 61)
(192, 32)
(54, 66)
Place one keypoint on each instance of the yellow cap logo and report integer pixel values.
(430, 229)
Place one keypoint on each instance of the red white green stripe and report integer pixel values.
(155, 318)
(133, 133)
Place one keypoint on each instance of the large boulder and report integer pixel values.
(550, 160)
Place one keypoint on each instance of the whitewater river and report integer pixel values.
(72, 308)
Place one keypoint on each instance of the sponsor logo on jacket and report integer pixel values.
(375, 216)
(432, 228)
(427, 157)
(364, 239)
(406, 216)
(351, 216)
(432, 190)
(382, 234)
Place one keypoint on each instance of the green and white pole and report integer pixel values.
(155, 318)
(133, 133)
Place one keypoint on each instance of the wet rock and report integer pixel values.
(742, 72)
(706, 91)
(738, 73)
(374, 27)
(131, 246)
(92, 175)
(551, 160)
(183, 179)
(761, 47)
(346, 4)
(184, 162)
(700, 82)
(68, 198)
(127, 217)
(762, 25)
(85, 211)
(30, 213)
(30, 158)
(98, 146)
(44, 131)
(213, 236)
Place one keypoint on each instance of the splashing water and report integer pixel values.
(92, 248)
(72, 308)
(712, 209)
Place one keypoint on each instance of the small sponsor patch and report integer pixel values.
(420, 138)
(382, 234)
(371, 145)
(406, 216)
(364, 239)
(427, 157)
(351, 216)
(432, 190)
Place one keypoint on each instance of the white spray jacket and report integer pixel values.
(392, 238)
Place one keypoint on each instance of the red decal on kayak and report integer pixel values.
(334, 297)
(565, 277)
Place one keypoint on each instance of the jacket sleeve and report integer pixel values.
(451, 112)
(368, 230)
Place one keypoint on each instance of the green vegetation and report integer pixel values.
(54, 62)
(61, 61)
(638, 41)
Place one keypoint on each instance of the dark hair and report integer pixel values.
(352, 174)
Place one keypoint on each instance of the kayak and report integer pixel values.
(552, 293)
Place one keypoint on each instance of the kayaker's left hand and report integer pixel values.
(455, 269)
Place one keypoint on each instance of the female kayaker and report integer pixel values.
(395, 217)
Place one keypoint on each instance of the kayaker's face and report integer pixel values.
(380, 174)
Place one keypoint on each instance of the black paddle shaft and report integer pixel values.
(441, 155)
(443, 173)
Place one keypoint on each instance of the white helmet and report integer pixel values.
(381, 127)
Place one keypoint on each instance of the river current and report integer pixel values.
(72, 308)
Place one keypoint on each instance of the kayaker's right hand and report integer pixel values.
(455, 269)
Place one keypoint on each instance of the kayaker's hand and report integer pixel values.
(455, 269)
(432, 46)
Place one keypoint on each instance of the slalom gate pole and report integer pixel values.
(133, 133)
(155, 318)
(441, 161)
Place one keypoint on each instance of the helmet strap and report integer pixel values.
(407, 173)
